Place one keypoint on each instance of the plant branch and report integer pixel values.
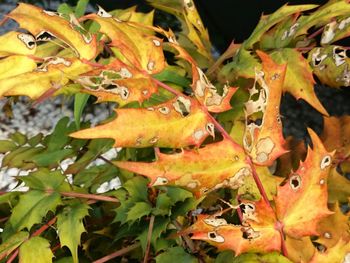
(13, 256)
(88, 196)
(149, 238)
(44, 227)
(186, 238)
(316, 33)
(117, 253)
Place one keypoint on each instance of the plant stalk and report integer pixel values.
(117, 253)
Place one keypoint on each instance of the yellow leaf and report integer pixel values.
(338, 253)
(17, 43)
(15, 65)
(43, 24)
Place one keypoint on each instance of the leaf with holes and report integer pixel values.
(338, 253)
(70, 227)
(137, 48)
(299, 80)
(307, 185)
(46, 25)
(17, 43)
(332, 228)
(174, 124)
(268, 21)
(263, 139)
(217, 165)
(118, 82)
(36, 249)
(331, 65)
(205, 92)
(54, 73)
(256, 234)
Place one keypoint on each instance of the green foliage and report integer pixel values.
(200, 139)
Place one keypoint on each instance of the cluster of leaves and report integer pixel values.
(203, 156)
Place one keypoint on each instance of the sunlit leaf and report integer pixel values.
(212, 167)
(7, 247)
(307, 185)
(338, 253)
(9, 66)
(17, 43)
(263, 138)
(177, 123)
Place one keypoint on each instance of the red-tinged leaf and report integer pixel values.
(138, 49)
(338, 253)
(264, 141)
(15, 65)
(118, 82)
(307, 185)
(17, 43)
(299, 80)
(217, 165)
(257, 234)
(55, 72)
(175, 124)
(203, 89)
(333, 228)
(43, 23)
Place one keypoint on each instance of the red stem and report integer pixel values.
(13, 256)
(149, 238)
(117, 253)
(89, 196)
(44, 227)
(279, 227)
(316, 33)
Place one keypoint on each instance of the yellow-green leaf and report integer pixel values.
(35, 250)
(12, 243)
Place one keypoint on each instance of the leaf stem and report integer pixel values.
(149, 238)
(117, 253)
(316, 33)
(168, 88)
(87, 196)
(44, 227)
(279, 227)
(13, 256)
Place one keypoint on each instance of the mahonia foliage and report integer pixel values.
(206, 173)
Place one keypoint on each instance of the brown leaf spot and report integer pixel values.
(164, 110)
(213, 236)
(28, 40)
(160, 181)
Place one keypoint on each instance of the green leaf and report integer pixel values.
(163, 205)
(225, 257)
(266, 258)
(81, 7)
(137, 188)
(52, 158)
(175, 254)
(18, 138)
(160, 226)
(32, 207)
(171, 76)
(6, 146)
(80, 101)
(70, 227)
(59, 137)
(35, 250)
(65, 9)
(21, 157)
(267, 21)
(139, 210)
(35, 140)
(12, 243)
(45, 179)
(178, 194)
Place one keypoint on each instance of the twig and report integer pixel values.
(91, 196)
(13, 256)
(149, 238)
(186, 238)
(117, 253)
(44, 227)
(316, 33)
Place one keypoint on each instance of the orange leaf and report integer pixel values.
(264, 141)
(118, 82)
(43, 24)
(306, 186)
(217, 165)
(257, 233)
(174, 124)
(203, 89)
(139, 49)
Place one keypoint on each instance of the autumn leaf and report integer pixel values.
(338, 253)
(267, 21)
(299, 80)
(307, 185)
(118, 82)
(338, 187)
(9, 245)
(206, 93)
(54, 73)
(263, 139)
(9, 66)
(331, 65)
(35, 250)
(137, 48)
(217, 165)
(300, 250)
(336, 30)
(46, 25)
(174, 124)
(17, 43)
(333, 228)
(257, 233)
(70, 227)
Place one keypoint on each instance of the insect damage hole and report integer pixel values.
(28, 40)
(295, 182)
(213, 236)
(325, 162)
(210, 128)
